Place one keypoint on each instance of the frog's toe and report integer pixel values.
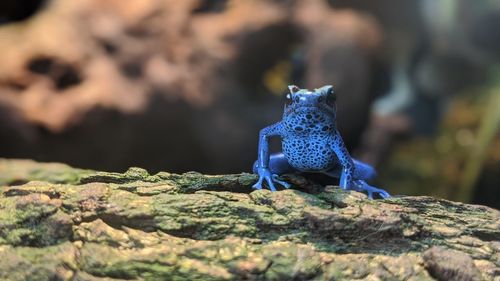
(384, 194)
(270, 183)
(258, 185)
(283, 183)
(370, 194)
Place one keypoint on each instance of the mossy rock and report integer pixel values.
(60, 223)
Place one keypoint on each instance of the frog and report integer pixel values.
(311, 143)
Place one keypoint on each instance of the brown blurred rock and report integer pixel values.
(141, 80)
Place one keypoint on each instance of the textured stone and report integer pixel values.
(137, 226)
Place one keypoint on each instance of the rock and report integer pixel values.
(134, 226)
(450, 265)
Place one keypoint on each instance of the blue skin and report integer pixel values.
(311, 143)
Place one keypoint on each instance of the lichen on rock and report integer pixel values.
(69, 224)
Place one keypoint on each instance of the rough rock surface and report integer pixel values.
(60, 223)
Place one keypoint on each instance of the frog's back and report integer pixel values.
(307, 141)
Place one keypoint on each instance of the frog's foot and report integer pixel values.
(283, 183)
(266, 175)
(361, 185)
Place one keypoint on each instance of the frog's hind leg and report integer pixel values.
(362, 171)
(277, 164)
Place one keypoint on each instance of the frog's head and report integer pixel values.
(302, 101)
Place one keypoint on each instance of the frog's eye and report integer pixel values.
(288, 98)
(331, 98)
(293, 89)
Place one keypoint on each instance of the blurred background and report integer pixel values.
(186, 85)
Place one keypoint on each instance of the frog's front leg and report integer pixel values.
(262, 167)
(346, 175)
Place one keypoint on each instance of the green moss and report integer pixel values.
(15, 172)
(291, 261)
(193, 226)
(48, 263)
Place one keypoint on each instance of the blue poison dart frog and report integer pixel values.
(311, 143)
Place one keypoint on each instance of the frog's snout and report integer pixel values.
(310, 101)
